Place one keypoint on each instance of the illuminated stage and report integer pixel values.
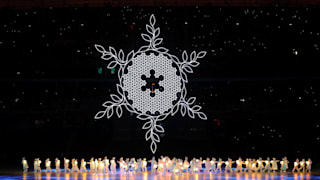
(148, 175)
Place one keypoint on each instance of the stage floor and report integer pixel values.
(167, 176)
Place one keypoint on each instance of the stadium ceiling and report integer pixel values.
(101, 3)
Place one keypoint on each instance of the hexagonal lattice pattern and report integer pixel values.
(132, 83)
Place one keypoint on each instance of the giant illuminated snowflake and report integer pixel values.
(152, 83)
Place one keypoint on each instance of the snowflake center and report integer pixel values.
(152, 83)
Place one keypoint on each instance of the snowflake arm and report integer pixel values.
(191, 109)
(118, 58)
(153, 37)
(151, 134)
(117, 102)
(188, 63)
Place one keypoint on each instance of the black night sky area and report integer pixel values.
(259, 83)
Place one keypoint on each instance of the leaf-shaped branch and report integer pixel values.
(143, 116)
(192, 110)
(153, 129)
(147, 125)
(117, 102)
(153, 147)
(119, 111)
(100, 114)
(159, 128)
(188, 62)
(146, 37)
(111, 54)
(100, 48)
(152, 20)
(152, 36)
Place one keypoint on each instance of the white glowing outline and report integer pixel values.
(118, 101)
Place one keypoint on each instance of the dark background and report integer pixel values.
(258, 84)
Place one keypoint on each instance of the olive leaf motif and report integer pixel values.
(184, 65)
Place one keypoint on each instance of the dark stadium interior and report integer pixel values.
(259, 83)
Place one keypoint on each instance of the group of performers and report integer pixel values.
(174, 165)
